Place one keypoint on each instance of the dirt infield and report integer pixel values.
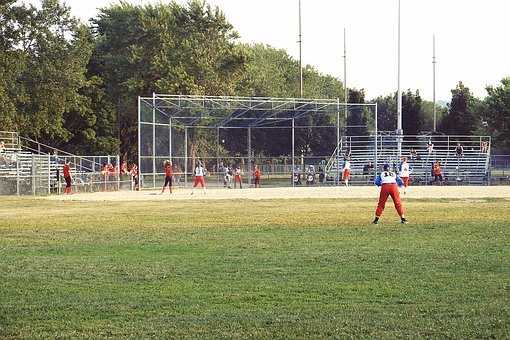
(456, 192)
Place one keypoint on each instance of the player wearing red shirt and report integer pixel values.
(67, 177)
(168, 176)
(438, 173)
(257, 174)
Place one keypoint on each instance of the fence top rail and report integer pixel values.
(419, 136)
(335, 101)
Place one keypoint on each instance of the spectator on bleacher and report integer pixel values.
(368, 168)
(3, 159)
(438, 173)
(67, 177)
(484, 146)
(459, 150)
(430, 147)
(414, 155)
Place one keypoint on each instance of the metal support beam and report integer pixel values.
(337, 179)
(218, 155)
(293, 162)
(346, 91)
(434, 79)
(153, 140)
(118, 171)
(300, 41)
(249, 168)
(185, 156)
(49, 174)
(375, 141)
(399, 92)
(170, 138)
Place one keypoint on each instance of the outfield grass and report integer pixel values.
(254, 269)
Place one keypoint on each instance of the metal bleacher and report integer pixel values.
(30, 167)
(472, 168)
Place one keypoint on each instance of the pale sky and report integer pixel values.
(472, 38)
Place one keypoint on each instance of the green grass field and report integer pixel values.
(254, 269)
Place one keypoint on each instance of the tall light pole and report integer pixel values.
(434, 79)
(399, 93)
(346, 92)
(300, 41)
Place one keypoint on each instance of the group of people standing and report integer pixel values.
(199, 173)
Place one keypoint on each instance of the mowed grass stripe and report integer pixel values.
(252, 269)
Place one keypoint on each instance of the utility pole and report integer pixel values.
(434, 79)
(300, 41)
(346, 91)
(399, 93)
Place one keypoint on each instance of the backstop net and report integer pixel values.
(286, 139)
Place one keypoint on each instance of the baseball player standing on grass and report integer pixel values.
(346, 171)
(405, 172)
(67, 177)
(168, 176)
(199, 177)
(389, 183)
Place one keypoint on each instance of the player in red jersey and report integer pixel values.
(67, 177)
(168, 176)
(389, 183)
(257, 175)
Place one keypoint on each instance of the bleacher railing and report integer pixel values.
(471, 165)
(31, 167)
(10, 139)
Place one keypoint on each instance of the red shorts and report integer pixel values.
(238, 178)
(199, 180)
(406, 181)
(346, 174)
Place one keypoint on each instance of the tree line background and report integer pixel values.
(75, 86)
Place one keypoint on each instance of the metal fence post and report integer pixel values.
(139, 144)
(17, 175)
(293, 161)
(49, 174)
(118, 171)
(185, 156)
(249, 157)
(375, 139)
(154, 140)
(33, 175)
(337, 177)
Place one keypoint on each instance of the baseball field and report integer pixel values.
(140, 265)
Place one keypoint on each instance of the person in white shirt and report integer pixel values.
(405, 172)
(346, 171)
(199, 173)
(238, 177)
(3, 160)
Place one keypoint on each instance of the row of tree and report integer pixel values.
(75, 86)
